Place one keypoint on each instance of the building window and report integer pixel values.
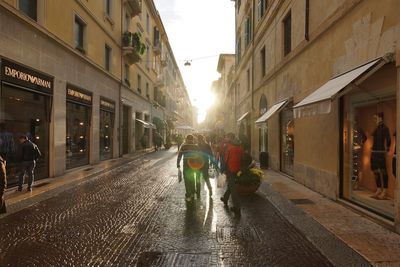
(127, 22)
(147, 23)
(287, 34)
(262, 57)
(139, 83)
(126, 78)
(29, 8)
(147, 91)
(238, 2)
(107, 58)
(248, 80)
(79, 34)
(247, 31)
(262, 4)
(238, 50)
(108, 7)
(148, 63)
(156, 36)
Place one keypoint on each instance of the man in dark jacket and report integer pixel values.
(206, 153)
(233, 160)
(29, 153)
(3, 185)
(191, 165)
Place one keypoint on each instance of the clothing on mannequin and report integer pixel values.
(380, 147)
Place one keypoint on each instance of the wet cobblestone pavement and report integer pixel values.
(136, 215)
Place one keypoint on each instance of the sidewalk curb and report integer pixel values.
(51, 192)
(334, 249)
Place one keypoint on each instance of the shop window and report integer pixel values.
(29, 8)
(77, 143)
(287, 140)
(287, 34)
(106, 134)
(369, 160)
(24, 112)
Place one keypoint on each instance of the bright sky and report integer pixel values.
(199, 29)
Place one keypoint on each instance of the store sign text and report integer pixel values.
(79, 95)
(26, 77)
(107, 104)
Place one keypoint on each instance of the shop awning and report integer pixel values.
(147, 124)
(271, 111)
(319, 102)
(243, 116)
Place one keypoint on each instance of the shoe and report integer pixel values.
(29, 190)
(188, 199)
(224, 200)
(236, 211)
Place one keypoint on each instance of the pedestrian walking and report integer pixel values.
(206, 153)
(3, 185)
(179, 140)
(189, 151)
(29, 153)
(157, 139)
(233, 159)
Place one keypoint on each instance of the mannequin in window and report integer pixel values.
(359, 139)
(380, 148)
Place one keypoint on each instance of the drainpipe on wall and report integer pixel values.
(119, 134)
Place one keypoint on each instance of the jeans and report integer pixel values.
(27, 168)
(231, 190)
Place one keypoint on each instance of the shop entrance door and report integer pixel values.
(125, 130)
(24, 112)
(287, 141)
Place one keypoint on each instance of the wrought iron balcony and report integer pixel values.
(135, 6)
(132, 47)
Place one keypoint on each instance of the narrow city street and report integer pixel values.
(136, 215)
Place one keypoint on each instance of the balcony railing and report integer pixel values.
(135, 6)
(132, 47)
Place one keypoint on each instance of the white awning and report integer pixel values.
(243, 116)
(146, 124)
(319, 102)
(271, 111)
(152, 125)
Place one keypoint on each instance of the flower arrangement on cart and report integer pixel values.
(249, 180)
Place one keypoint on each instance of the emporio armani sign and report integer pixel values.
(26, 77)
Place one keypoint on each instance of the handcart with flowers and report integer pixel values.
(248, 180)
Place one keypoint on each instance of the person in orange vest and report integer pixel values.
(233, 158)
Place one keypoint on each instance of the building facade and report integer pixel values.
(320, 82)
(63, 81)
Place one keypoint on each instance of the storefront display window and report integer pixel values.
(107, 110)
(369, 139)
(77, 143)
(287, 140)
(24, 112)
(79, 103)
